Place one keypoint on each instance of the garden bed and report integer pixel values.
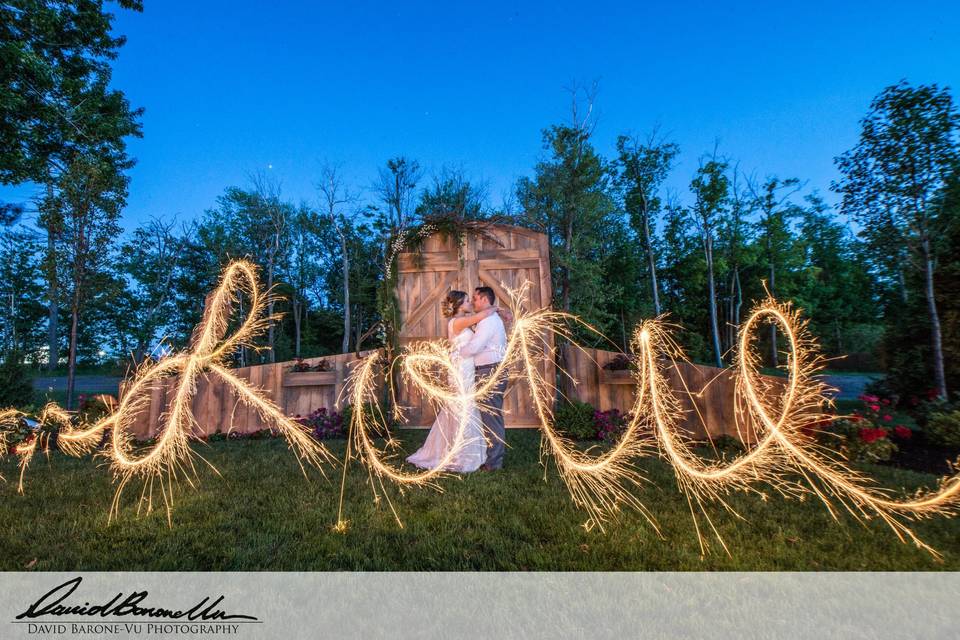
(918, 455)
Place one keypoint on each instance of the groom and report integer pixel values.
(487, 348)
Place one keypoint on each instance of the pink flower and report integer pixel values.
(887, 417)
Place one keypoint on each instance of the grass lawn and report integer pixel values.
(264, 515)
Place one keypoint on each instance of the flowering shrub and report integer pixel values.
(300, 366)
(858, 439)
(609, 425)
(902, 433)
(324, 424)
(865, 435)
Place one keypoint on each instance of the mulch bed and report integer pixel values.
(917, 455)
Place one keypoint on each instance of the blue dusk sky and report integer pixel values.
(234, 87)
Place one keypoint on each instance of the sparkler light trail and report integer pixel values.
(171, 456)
(772, 415)
(600, 484)
(775, 416)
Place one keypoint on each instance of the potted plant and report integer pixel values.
(618, 370)
(304, 374)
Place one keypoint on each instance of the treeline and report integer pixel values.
(878, 277)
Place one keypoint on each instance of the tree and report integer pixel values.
(270, 235)
(642, 168)
(734, 238)
(451, 194)
(894, 184)
(334, 198)
(569, 199)
(57, 107)
(304, 267)
(91, 194)
(148, 263)
(21, 287)
(684, 277)
(397, 187)
(711, 191)
(771, 200)
(835, 288)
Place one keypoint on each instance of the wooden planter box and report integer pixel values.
(309, 378)
(624, 376)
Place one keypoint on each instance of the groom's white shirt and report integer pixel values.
(488, 344)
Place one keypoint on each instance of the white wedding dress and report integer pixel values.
(472, 451)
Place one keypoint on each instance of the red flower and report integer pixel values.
(872, 435)
(903, 432)
(887, 417)
(875, 407)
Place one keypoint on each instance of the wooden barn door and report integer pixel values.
(521, 256)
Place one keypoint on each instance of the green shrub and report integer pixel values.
(858, 439)
(575, 420)
(16, 388)
(944, 429)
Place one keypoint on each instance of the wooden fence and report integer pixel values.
(217, 408)
(709, 409)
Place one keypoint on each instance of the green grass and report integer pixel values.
(262, 514)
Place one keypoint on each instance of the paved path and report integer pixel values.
(84, 384)
(851, 386)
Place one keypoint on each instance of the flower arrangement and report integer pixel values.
(622, 362)
(609, 425)
(301, 366)
(324, 424)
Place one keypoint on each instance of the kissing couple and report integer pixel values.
(478, 338)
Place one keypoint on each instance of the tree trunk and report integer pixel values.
(359, 324)
(270, 331)
(903, 283)
(651, 261)
(738, 305)
(72, 357)
(774, 355)
(345, 347)
(53, 310)
(936, 337)
(568, 247)
(728, 329)
(714, 328)
(297, 310)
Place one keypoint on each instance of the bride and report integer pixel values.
(473, 450)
